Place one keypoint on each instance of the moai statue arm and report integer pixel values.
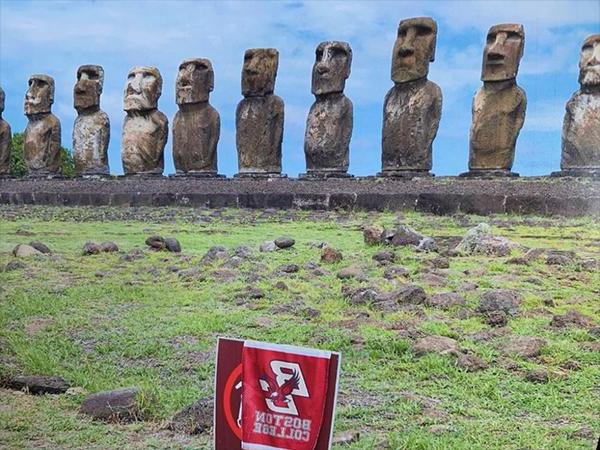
(436, 116)
(214, 137)
(522, 108)
(347, 121)
(54, 144)
(566, 144)
(162, 130)
(279, 121)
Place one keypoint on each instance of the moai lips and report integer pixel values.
(499, 106)
(259, 116)
(41, 147)
(91, 131)
(413, 107)
(197, 124)
(145, 129)
(329, 122)
(581, 126)
(5, 138)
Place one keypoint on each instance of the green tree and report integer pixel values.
(18, 168)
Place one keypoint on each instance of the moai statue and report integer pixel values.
(259, 116)
(145, 129)
(499, 106)
(41, 147)
(581, 127)
(91, 131)
(329, 122)
(197, 125)
(413, 107)
(5, 138)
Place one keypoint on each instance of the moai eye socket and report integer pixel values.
(338, 52)
(512, 36)
(491, 38)
(423, 31)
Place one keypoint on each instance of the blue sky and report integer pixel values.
(55, 37)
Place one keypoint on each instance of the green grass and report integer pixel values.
(103, 323)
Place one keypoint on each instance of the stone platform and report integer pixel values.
(439, 195)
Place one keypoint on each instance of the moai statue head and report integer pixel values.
(589, 63)
(503, 51)
(332, 67)
(86, 94)
(195, 81)
(414, 49)
(259, 71)
(1, 100)
(143, 89)
(40, 95)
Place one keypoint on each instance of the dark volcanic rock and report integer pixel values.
(40, 247)
(360, 296)
(372, 235)
(445, 300)
(330, 255)
(409, 293)
(14, 265)
(284, 242)
(91, 248)
(384, 257)
(527, 347)
(109, 247)
(214, 254)
(470, 363)
(120, 404)
(396, 272)
(404, 235)
(194, 419)
(503, 300)
(435, 344)
(172, 245)
(156, 242)
(572, 318)
(289, 268)
(39, 384)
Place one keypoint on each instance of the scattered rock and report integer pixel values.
(41, 247)
(289, 268)
(195, 418)
(214, 254)
(244, 252)
(90, 248)
(533, 253)
(267, 246)
(38, 384)
(404, 235)
(524, 346)
(480, 241)
(120, 404)
(330, 255)
(156, 242)
(281, 286)
(496, 319)
(395, 272)
(284, 242)
(572, 318)
(557, 259)
(384, 257)
(346, 438)
(350, 272)
(470, 363)
(372, 235)
(427, 244)
(445, 300)
(408, 293)
(386, 237)
(25, 251)
(504, 300)
(435, 344)
(109, 247)
(538, 376)
(360, 296)
(433, 279)
(519, 261)
(440, 263)
(172, 245)
(14, 265)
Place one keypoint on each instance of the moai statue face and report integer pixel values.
(88, 88)
(259, 71)
(1, 100)
(502, 53)
(195, 81)
(414, 49)
(332, 67)
(40, 95)
(143, 89)
(589, 63)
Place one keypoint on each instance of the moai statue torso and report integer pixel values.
(413, 107)
(91, 131)
(145, 128)
(259, 116)
(581, 127)
(41, 146)
(197, 125)
(329, 122)
(5, 138)
(499, 106)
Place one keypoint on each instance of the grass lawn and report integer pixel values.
(103, 322)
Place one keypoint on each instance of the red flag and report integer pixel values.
(284, 396)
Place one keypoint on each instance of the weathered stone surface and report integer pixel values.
(197, 125)
(330, 119)
(194, 419)
(470, 363)
(503, 300)
(39, 384)
(120, 404)
(41, 146)
(41, 247)
(172, 245)
(409, 293)
(91, 248)
(156, 242)
(24, 251)
(145, 128)
(109, 247)
(413, 107)
(14, 265)
(372, 234)
(284, 242)
(259, 116)
(267, 246)
(435, 344)
(572, 318)
(330, 255)
(91, 131)
(480, 241)
(350, 272)
(581, 126)
(404, 235)
(499, 106)
(5, 138)
(445, 300)
(524, 346)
